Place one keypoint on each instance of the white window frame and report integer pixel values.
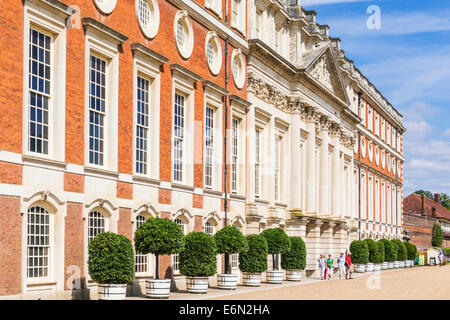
(235, 154)
(216, 65)
(105, 6)
(51, 23)
(107, 50)
(150, 70)
(383, 129)
(209, 155)
(149, 257)
(277, 167)
(215, 6)
(258, 167)
(175, 257)
(185, 88)
(151, 28)
(186, 50)
(238, 8)
(370, 118)
(238, 68)
(377, 124)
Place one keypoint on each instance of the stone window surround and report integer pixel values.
(46, 19)
(217, 65)
(183, 16)
(147, 64)
(151, 30)
(105, 6)
(239, 79)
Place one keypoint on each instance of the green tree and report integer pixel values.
(438, 235)
(445, 201)
(427, 194)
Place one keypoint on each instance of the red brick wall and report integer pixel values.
(197, 201)
(124, 225)
(124, 190)
(11, 80)
(73, 182)
(198, 224)
(10, 173)
(11, 245)
(74, 239)
(165, 196)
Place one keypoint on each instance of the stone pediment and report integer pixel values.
(325, 71)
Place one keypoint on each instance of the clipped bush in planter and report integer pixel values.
(277, 242)
(372, 246)
(253, 261)
(159, 236)
(397, 257)
(390, 252)
(295, 260)
(411, 251)
(111, 264)
(229, 240)
(380, 255)
(402, 253)
(198, 261)
(360, 254)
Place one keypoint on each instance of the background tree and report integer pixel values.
(445, 199)
(438, 235)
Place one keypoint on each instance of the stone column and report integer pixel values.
(313, 249)
(295, 197)
(324, 170)
(250, 204)
(336, 172)
(311, 119)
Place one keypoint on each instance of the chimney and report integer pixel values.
(423, 206)
(433, 212)
(437, 198)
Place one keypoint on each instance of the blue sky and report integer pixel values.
(408, 59)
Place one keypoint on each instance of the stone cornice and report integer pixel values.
(149, 53)
(297, 104)
(103, 29)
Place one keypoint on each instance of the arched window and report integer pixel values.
(176, 257)
(210, 228)
(96, 224)
(141, 260)
(38, 242)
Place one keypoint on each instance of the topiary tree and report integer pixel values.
(295, 259)
(198, 259)
(390, 250)
(402, 254)
(230, 240)
(159, 236)
(373, 249)
(359, 251)
(411, 250)
(111, 259)
(438, 235)
(254, 259)
(277, 242)
(380, 255)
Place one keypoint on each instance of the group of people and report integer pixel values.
(344, 263)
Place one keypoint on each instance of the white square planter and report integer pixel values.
(157, 288)
(396, 264)
(370, 267)
(227, 281)
(294, 275)
(274, 277)
(197, 284)
(112, 291)
(384, 265)
(377, 267)
(360, 268)
(251, 279)
(402, 264)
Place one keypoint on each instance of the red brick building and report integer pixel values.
(106, 109)
(420, 215)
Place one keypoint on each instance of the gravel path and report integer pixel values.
(428, 283)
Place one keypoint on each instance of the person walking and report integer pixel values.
(330, 262)
(341, 266)
(321, 261)
(348, 267)
(441, 259)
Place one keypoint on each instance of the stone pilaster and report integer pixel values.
(311, 120)
(324, 169)
(296, 183)
(313, 249)
(336, 172)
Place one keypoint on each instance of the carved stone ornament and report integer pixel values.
(321, 73)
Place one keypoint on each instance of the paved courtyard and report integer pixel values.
(400, 284)
(403, 284)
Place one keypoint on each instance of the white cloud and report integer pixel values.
(446, 133)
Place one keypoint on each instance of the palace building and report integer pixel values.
(115, 111)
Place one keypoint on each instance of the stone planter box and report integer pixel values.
(227, 281)
(396, 264)
(157, 288)
(251, 279)
(377, 267)
(369, 267)
(274, 276)
(197, 284)
(294, 275)
(402, 264)
(390, 265)
(384, 266)
(112, 291)
(360, 268)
